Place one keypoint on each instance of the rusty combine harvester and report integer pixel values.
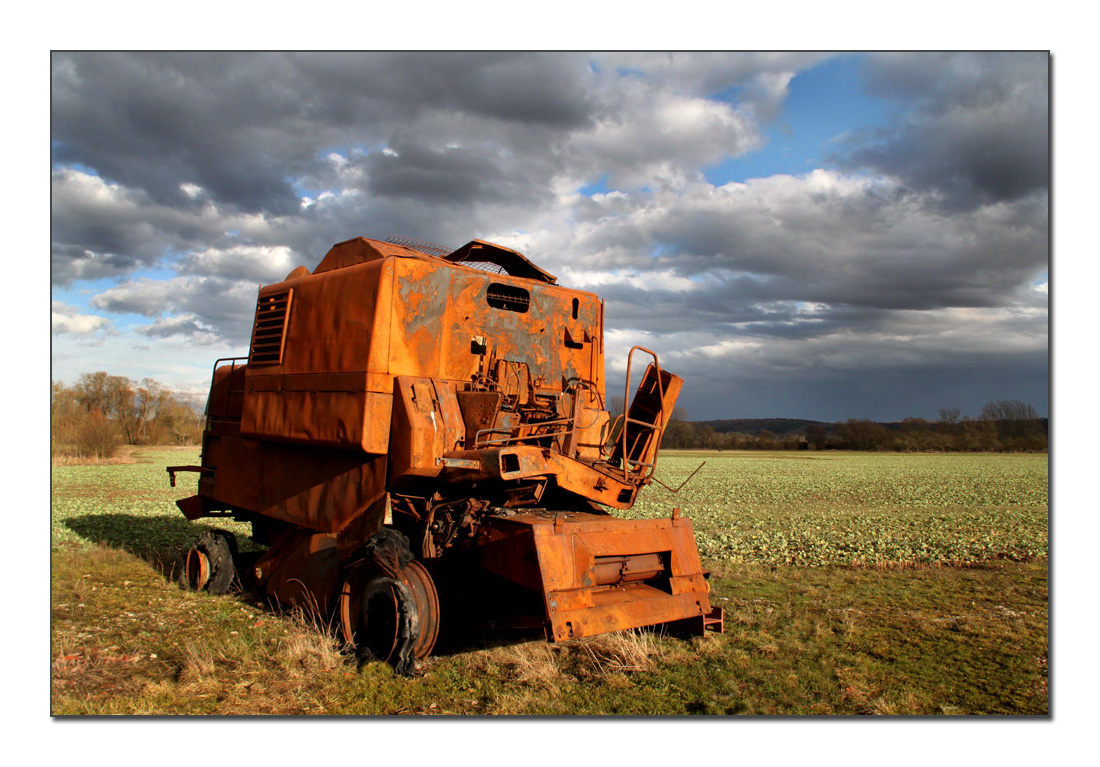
(414, 425)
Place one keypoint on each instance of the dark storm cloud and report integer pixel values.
(485, 136)
(975, 127)
(240, 125)
(154, 121)
(447, 176)
(819, 392)
(533, 89)
(191, 151)
(102, 229)
(183, 325)
(763, 251)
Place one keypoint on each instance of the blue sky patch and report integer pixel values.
(599, 187)
(824, 102)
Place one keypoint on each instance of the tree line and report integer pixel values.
(99, 413)
(1002, 426)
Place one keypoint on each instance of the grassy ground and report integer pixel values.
(917, 638)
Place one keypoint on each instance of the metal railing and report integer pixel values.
(229, 392)
(656, 431)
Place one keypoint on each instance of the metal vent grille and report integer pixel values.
(485, 266)
(269, 330)
(510, 297)
(431, 248)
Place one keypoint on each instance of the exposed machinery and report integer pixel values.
(412, 424)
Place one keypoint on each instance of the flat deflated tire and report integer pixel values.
(208, 564)
(391, 619)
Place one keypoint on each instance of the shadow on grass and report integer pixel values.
(157, 540)
(161, 541)
(458, 638)
(477, 615)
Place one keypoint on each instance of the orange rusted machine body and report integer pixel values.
(458, 399)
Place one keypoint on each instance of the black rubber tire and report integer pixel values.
(220, 548)
(381, 619)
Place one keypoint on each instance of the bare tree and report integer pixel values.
(1009, 410)
(91, 391)
(1017, 424)
(66, 413)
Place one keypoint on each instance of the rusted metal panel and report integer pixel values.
(342, 343)
(192, 507)
(631, 606)
(444, 309)
(479, 412)
(427, 423)
(330, 386)
(226, 399)
(357, 420)
(316, 488)
(571, 558)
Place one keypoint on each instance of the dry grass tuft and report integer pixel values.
(529, 664)
(613, 654)
(534, 665)
(623, 651)
(199, 660)
(310, 646)
(71, 456)
(267, 672)
(529, 674)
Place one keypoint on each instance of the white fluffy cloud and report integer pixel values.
(263, 264)
(68, 319)
(645, 138)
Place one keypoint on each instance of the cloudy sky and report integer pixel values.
(803, 235)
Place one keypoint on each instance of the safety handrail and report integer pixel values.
(627, 420)
(219, 361)
(213, 375)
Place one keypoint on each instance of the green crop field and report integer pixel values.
(818, 509)
(852, 583)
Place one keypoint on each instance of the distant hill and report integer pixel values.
(778, 426)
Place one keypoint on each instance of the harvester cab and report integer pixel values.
(412, 423)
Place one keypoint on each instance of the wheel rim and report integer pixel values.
(208, 565)
(198, 569)
(426, 597)
(371, 611)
